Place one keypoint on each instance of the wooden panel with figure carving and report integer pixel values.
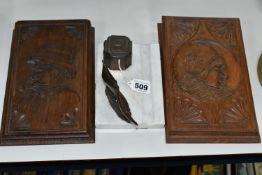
(207, 92)
(50, 88)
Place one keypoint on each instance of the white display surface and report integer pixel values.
(138, 20)
(146, 109)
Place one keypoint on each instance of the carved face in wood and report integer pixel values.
(207, 65)
(203, 71)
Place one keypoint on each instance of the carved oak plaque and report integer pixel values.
(50, 89)
(207, 92)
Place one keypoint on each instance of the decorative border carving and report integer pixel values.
(21, 120)
(223, 30)
(188, 112)
(70, 118)
(184, 29)
(236, 113)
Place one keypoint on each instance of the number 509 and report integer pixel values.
(141, 86)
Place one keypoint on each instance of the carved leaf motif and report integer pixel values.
(21, 121)
(70, 118)
(223, 30)
(189, 113)
(184, 29)
(236, 113)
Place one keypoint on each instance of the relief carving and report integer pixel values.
(51, 84)
(207, 96)
(223, 30)
(184, 29)
(49, 72)
(236, 112)
(206, 70)
(56, 52)
(70, 118)
(188, 112)
(21, 121)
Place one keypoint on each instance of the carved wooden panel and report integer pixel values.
(207, 91)
(50, 89)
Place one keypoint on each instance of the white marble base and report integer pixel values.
(147, 110)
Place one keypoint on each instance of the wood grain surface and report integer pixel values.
(50, 88)
(207, 94)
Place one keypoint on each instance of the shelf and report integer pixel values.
(138, 20)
